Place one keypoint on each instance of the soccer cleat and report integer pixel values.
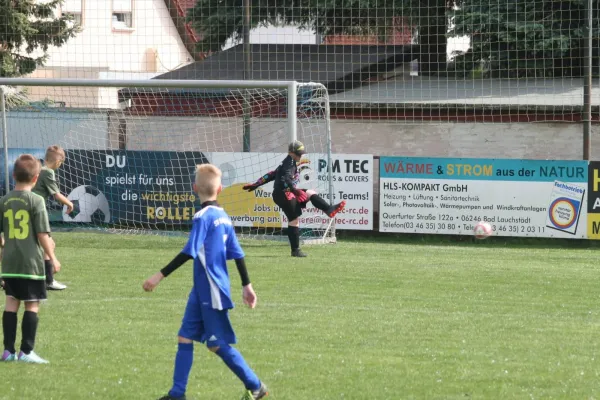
(56, 285)
(32, 358)
(298, 253)
(261, 393)
(8, 356)
(168, 397)
(336, 209)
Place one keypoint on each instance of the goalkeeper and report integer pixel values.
(290, 198)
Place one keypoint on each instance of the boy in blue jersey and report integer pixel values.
(211, 243)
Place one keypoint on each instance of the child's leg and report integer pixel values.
(236, 363)
(9, 323)
(322, 204)
(294, 234)
(49, 266)
(183, 365)
(29, 326)
(191, 329)
(51, 283)
(318, 201)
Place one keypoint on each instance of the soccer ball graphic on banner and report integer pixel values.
(482, 230)
(307, 175)
(89, 205)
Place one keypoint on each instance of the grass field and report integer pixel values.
(368, 319)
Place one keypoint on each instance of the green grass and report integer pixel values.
(369, 319)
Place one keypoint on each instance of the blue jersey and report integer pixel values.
(211, 243)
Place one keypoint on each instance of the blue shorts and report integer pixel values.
(205, 324)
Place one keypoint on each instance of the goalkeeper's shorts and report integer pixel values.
(290, 207)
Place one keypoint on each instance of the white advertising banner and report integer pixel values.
(352, 182)
(517, 197)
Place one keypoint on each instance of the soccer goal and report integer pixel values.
(132, 148)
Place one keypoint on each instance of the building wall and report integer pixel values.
(43, 127)
(151, 45)
(560, 141)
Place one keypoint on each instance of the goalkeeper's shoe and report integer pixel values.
(56, 285)
(336, 209)
(260, 393)
(298, 253)
(169, 397)
(32, 358)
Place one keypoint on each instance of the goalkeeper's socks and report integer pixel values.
(294, 237)
(236, 363)
(183, 366)
(320, 203)
(49, 267)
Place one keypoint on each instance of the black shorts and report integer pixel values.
(25, 289)
(291, 208)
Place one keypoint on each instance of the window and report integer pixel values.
(122, 15)
(75, 9)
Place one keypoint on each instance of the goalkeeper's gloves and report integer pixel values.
(301, 196)
(250, 187)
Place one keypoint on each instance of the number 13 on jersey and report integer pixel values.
(19, 231)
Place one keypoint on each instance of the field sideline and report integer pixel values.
(362, 319)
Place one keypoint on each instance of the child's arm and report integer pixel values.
(47, 244)
(234, 252)
(155, 279)
(64, 201)
(266, 178)
(195, 241)
(247, 291)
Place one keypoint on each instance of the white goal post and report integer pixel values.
(132, 147)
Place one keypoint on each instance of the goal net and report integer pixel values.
(132, 148)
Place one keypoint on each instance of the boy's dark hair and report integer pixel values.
(26, 168)
(55, 153)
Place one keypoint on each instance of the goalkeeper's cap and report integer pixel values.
(297, 147)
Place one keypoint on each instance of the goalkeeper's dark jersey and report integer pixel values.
(287, 176)
(22, 216)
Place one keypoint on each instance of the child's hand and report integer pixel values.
(301, 196)
(69, 207)
(249, 296)
(56, 265)
(249, 187)
(152, 282)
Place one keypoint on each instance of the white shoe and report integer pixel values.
(32, 358)
(56, 285)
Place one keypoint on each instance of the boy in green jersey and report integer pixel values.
(25, 225)
(47, 186)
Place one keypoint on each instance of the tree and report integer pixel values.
(30, 27)
(514, 39)
(218, 20)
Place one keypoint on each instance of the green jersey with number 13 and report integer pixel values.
(23, 215)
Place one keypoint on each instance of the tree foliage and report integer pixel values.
(524, 38)
(29, 28)
(218, 20)
(515, 38)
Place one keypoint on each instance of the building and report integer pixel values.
(119, 39)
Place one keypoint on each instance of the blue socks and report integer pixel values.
(236, 363)
(230, 356)
(183, 366)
